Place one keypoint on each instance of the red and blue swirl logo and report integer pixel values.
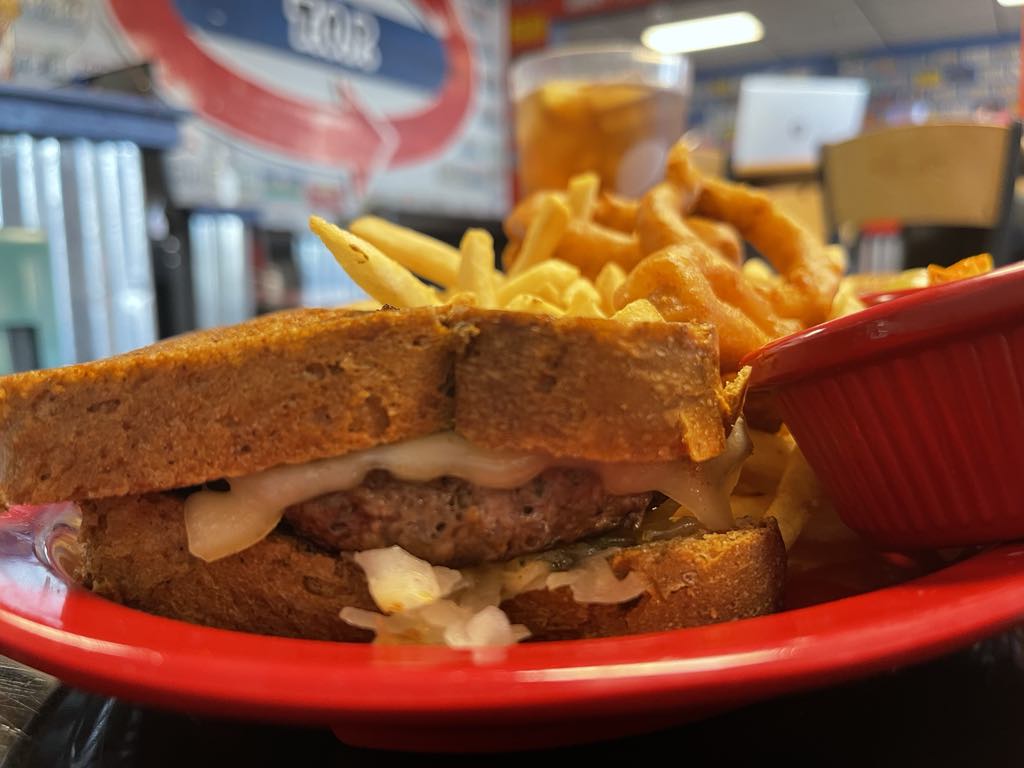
(289, 75)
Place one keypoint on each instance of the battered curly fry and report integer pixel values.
(659, 220)
(719, 237)
(590, 246)
(683, 174)
(673, 282)
(757, 271)
(810, 277)
(731, 286)
(659, 225)
(616, 212)
(683, 242)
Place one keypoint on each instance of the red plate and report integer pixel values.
(526, 696)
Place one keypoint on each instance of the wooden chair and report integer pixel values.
(938, 175)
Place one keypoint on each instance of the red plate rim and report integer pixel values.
(107, 647)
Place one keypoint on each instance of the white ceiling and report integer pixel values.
(807, 28)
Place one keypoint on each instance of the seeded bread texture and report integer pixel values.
(136, 553)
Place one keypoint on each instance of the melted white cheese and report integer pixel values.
(220, 524)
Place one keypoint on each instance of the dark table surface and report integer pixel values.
(965, 709)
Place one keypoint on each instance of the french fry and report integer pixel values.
(639, 311)
(583, 191)
(608, 280)
(721, 238)
(852, 287)
(581, 286)
(763, 470)
(385, 280)
(616, 212)
(525, 302)
(582, 299)
(422, 254)
(518, 221)
(837, 255)
(876, 282)
(583, 305)
(508, 254)
(542, 235)
(753, 507)
(590, 246)
(969, 267)
(463, 298)
(547, 280)
(476, 271)
(798, 496)
(758, 270)
(845, 302)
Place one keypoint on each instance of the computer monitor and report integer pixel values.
(782, 120)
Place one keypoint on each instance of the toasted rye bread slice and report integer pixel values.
(283, 388)
(590, 388)
(307, 384)
(135, 552)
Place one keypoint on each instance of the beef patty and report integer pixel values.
(452, 522)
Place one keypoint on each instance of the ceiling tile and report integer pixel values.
(809, 27)
(908, 21)
(740, 55)
(796, 29)
(1008, 18)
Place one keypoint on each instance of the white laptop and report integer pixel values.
(782, 120)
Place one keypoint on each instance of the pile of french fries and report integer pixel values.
(852, 287)
(384, 259)
(776, 481)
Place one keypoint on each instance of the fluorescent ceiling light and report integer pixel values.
(705, 33)
(1010, 3)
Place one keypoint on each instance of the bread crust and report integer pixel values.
(306, 384)
(692, 581)
(589, 388)
(280, 389)
(135, 552)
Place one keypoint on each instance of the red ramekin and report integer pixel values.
(912, 411)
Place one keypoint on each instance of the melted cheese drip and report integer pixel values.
(220, 524)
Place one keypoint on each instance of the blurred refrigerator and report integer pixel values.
(220, 252)
(81, 189)
(86, 199)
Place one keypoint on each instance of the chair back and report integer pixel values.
(957, 175)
